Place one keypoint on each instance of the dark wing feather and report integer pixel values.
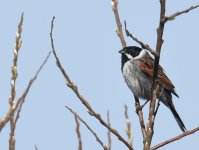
(146, 66)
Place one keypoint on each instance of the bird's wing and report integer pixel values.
(146, 65)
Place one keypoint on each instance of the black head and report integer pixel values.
(129, 52)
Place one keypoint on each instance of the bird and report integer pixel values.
(137, 69)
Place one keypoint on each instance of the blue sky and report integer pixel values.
(87, 46)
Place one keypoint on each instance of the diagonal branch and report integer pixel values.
(173, 16)
(21, 100)
(175, 138)
(74, 88)
(89, 128)
(143, 45)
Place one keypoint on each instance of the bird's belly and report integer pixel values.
(138, 83)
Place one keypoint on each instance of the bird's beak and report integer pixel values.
(122, 51)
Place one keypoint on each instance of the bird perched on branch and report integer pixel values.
(137, 69)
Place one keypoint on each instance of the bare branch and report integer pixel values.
(175, 138)
(88, 127)
(118, 22)
(21, 100)
(109, 133)
(129, 132)
(140, 115)
(144, 46)
(155, 86)
(173, 16)
(80, 97)
(78, 132)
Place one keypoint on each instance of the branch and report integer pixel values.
(109, 133)
(140, 115)
(21, 100)
(88, 127)
(175, 138)
(72, 86)
(173, 16)
(119, 31)
(129, 132)
(155, 87)
(78, 132)
(13, 82)
(144, 46)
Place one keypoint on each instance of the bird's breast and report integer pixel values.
(138, 83)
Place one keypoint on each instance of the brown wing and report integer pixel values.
(146, 66)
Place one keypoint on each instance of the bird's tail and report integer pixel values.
(177, 117)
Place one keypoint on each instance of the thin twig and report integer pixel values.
(19, 102)
(118, 22)
(88, 127)
(129, 132)
(13, 82)
(80, 97)
(172, 17)
(36, 148)
(141, 118)
(78, 132)
(175, 138)
(22, 98)
(109, 133)
(143, 45)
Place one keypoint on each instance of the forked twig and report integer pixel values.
(88, 127)
(145, 46)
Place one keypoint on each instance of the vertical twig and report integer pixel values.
(141, 118)
(118, 22)
(13, 82)
(36, 148)
(129, 132)
(109, 133)
(78, 133)
(155, 76)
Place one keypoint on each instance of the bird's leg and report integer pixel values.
(138, 106)
(158, 105)
(142, 106)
